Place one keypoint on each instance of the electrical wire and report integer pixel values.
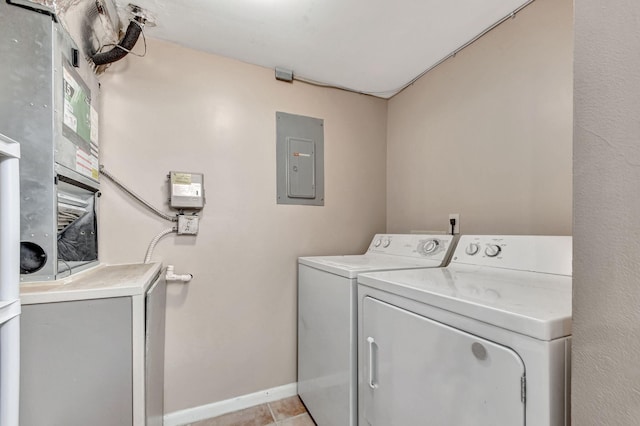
(68, 267)
(154, 242)
(135, 196)
(397, 90)
(331, 86)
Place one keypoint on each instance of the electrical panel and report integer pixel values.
(186, 190)
(300, 159)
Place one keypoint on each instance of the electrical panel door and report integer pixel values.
(299, 159)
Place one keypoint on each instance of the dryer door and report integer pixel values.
(421, 372)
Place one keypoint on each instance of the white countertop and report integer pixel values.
(100, 282)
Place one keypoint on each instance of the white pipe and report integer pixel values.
(156, 239)
(171, 276)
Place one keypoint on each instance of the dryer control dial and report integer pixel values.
(377, 242)
(386, 242)
(428, 247)
(492, 250)
(472, 249)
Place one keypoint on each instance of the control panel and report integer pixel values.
(550, 254)
(186, 190)
(412, 245)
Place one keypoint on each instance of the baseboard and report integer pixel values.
(190, 415)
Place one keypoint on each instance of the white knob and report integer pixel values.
(430, 246)
(492, 250)
(386, 243)
(472, 249)
(377, 242)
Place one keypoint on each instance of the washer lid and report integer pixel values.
(352, 266)
(530, 303)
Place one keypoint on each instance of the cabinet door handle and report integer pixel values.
(371, 342)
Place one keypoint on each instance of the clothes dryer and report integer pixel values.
(327, 318)
(483, 342)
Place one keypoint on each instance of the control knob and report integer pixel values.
(492, 250)
(377, 242)
(386, 243)
(472, 249)
(429, 247)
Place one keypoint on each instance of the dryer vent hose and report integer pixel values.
(124, 47)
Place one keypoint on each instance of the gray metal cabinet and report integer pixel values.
(76, 363)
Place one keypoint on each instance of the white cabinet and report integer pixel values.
(93, 348)
(417, 371)
(9, 280)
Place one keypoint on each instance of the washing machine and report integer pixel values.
(327, 318)
(485, 341)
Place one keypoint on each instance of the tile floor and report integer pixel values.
(285, 412)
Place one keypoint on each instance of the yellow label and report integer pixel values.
(181, 178)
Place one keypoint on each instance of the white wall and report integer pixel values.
(606, 318)
(231, 331)
(487, 134)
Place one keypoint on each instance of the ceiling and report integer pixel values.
(369, 46)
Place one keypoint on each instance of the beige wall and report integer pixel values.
(606, 261)
(487, 134)
(231, 331)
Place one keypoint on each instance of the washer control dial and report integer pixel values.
(377, 242)
(386, 242)
(492, 250)
(472, 249)
(428, 247)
